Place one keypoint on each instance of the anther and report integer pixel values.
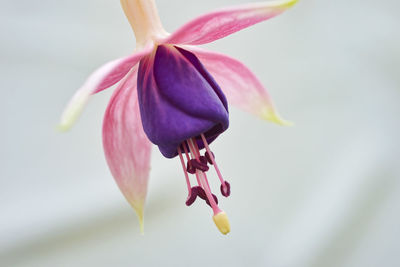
(195, 191)
(199, 165)
(190, 168)
(225, 189)
(200, 192)
(191, 198)
(203, 160)
(208, 157)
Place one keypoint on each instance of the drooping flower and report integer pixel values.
(175, 95)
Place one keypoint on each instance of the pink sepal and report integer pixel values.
(126, 146)
(241, 87)
(218, 24)
(104, 77)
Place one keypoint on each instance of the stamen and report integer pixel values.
(190, 168)
(188, 159)
(191, 197)
(202, 194)
(203, 179)
(208, 157)
(225, 189)
(198, 165)
(186, 151)
(184, 170)
(197, 151)
(197, 162)
(220, 218)
(204, 160)
(225, 186)
(193, 147)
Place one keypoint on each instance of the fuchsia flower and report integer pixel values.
(175, 96)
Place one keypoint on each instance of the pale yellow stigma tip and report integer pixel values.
(222, 222)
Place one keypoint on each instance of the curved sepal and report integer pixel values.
(239, 84)
(218, 24)
(126, 146)
(104, 77)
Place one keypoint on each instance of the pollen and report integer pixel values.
(222, 222)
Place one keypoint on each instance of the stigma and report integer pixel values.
(193, 163)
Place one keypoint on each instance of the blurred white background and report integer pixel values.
(323, 193)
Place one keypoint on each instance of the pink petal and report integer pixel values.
(241, 87)
(104, 77)
(218, 24)
(126, 146)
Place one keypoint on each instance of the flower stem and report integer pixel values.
(144, 19)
